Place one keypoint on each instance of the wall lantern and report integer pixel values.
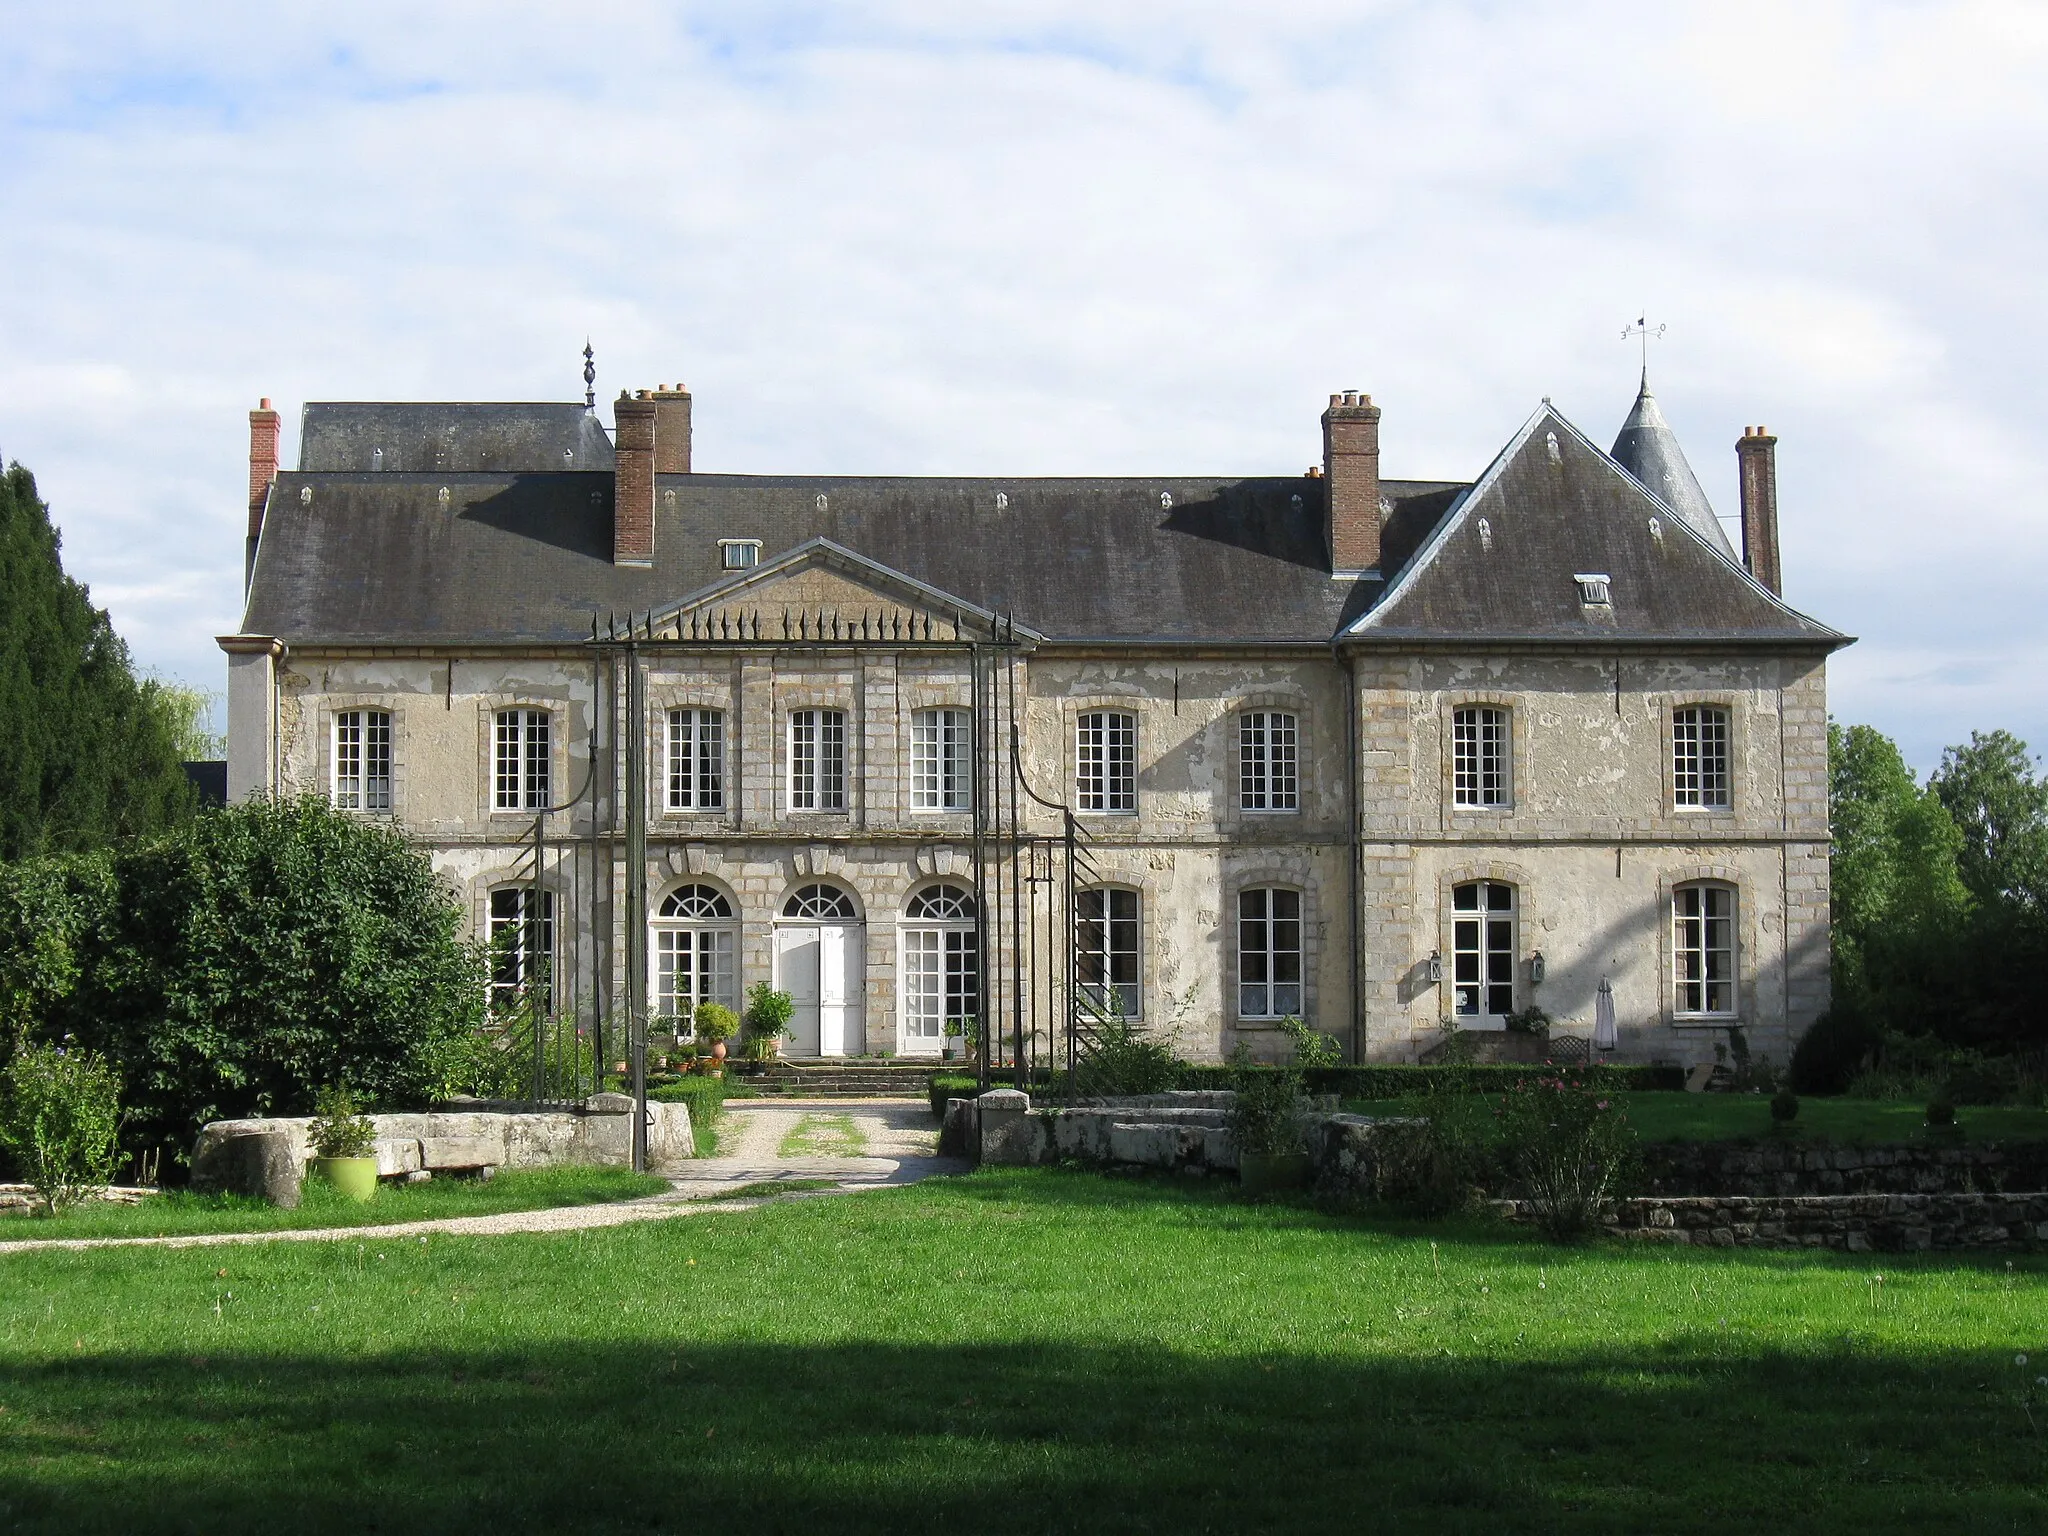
(1536, 968)
(1435, 965)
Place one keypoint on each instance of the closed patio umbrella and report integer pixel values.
(1603, 1017)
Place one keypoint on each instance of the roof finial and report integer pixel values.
(589, 377)
(1649, 333)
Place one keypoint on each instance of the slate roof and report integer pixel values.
(1552, 507)
(457, 438)
(356, 555)
(1648, 449)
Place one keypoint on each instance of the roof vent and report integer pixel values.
(442, 496)
(1657, 529)
(739, 554)
(822, 503)
(305, 495)
(376, 458)
(1550, 442)
(1166, 501)
(1593, 590)
(1002, 502)
(1485, 534)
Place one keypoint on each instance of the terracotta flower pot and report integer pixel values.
(718, 1050)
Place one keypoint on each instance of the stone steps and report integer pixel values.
(839, 1080)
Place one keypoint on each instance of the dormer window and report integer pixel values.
(739, 554)
(1593, 591)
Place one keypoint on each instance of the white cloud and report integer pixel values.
(1062, 237)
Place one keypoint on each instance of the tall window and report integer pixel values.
(696, 759)
(941, 981)
(1266, 741)
(522, 947)
(362, 760)
(1483, 950)
(940, 743)
(695, 943)
(523, 781)
(1479, 757)
(1699, 757)
(1703, 948)
(1106, 760)
(817, 760)
(1106, 949)
(1269, 953)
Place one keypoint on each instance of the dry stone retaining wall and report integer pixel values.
(1851, 1223)
(1763, 1169)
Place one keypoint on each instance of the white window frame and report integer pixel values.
(522, 759)
(1485, 946)
(941, 976)
(695, 954)
(1109, 948)
(1705, 949)
(941, 750)
(695, 777)
(1270, 973)
(1269, 762)
(817, 761)
(1482, 757)
(1106, 762)
(362, 761)
(512, 972)
(1702, 757)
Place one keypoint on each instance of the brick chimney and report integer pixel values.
(263, 432)
(1757, 454)
(1351, 473)
(671, 430)
(633, 489)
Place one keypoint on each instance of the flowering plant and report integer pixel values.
(1568, 1149)
(60, 1115)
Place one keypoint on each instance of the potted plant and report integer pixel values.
(768, 1016)
(1265, 1121)
(343, 1142)
(716, 1024)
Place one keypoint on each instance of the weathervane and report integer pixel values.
(1649, 333)
(589, 377)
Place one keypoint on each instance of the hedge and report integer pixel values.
(1399, 1082)
(941, 1086)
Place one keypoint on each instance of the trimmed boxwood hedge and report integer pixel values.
(1392, 1082)
(941, 1086)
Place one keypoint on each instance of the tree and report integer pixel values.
(2000, 804)
(260, 953)
(87, 753)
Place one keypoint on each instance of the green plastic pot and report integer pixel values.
(354, 1177)
(1265, 1173)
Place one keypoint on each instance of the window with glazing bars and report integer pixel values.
(1106, 761)
(696, 759)
(362, 760)
(1269, 953)
(1266, 744)
(1483, 949)
(1699, 757)
(523, 780)
(1479, 757)
(1106, 949)
(1703, 948)
(940, 745)
(522, 946)
(817, 760)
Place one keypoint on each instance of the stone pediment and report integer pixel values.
(822, 591)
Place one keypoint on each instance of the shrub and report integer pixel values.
(1265, 1117)
(60, 1115)
(941, 1086)
(1567, 1149)
(715, 1022)
(1438, 1162)
(1941, 1114)
(485, 1063)
(706, 1096)
(768, 1015)
(338, 1129)
(1312, 1051)
(1125, 1060)
(1834, 1049)
(1784, 1106)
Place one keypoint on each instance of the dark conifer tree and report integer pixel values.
(88, 754)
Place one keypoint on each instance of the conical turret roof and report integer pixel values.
(1648, 449)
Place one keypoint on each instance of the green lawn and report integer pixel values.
(177, 1214)
(1019, 1350)
(1732, 1116)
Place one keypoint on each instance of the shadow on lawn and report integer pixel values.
(665, 1434)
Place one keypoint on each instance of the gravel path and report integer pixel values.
(899, 1149)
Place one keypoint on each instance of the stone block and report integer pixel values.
(445, 1153)
(609, 1104)
(396, 1155)
(266, 1164)
(669, 1138)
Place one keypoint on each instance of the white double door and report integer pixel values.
(823, 968)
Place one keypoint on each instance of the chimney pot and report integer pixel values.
(1757, 459)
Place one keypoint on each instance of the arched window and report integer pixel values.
(1106, 949)
(820, 903)
(941, 966)
(1269, 953)
(1483, 951)
(695, 953)
(1703, 948)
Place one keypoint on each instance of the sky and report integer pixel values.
(1049, 238)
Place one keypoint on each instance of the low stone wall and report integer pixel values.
(1765, 1169)
(263, 1157)
(1851, 1223)
(22, 1197)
